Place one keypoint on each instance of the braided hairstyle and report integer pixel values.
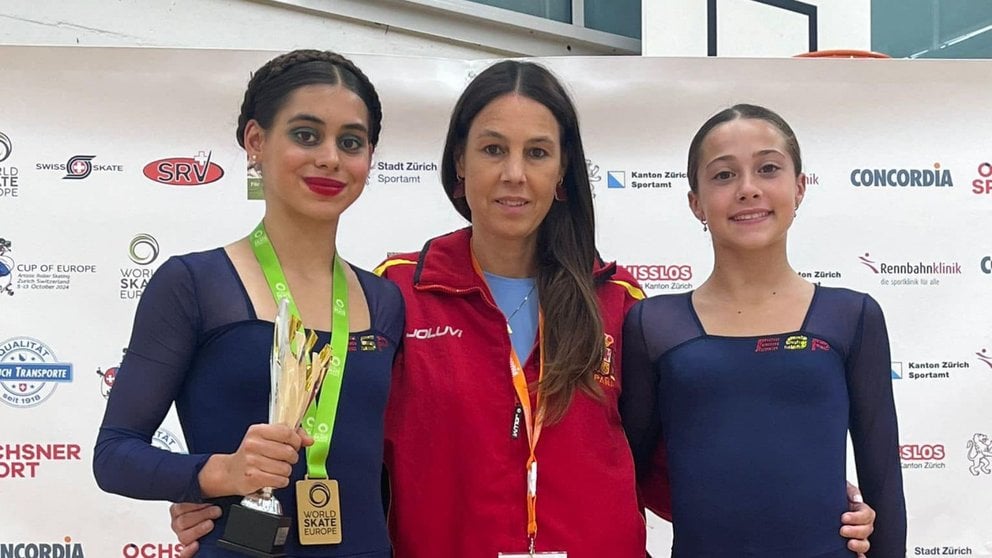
(272, 84)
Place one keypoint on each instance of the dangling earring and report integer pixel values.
(795, 212)
(560, 193)
(459, 189)
(255, 164)
(705, 227)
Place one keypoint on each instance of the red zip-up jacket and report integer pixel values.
(456, 473)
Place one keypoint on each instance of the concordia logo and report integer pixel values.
(902, 177)
(184, 171)
(65, 549)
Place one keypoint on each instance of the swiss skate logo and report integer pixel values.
(980, 454)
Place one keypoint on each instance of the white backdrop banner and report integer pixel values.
(113, 159)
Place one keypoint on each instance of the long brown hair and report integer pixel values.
(566, 242)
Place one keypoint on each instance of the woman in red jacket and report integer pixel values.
(478, 463)
(502, 430)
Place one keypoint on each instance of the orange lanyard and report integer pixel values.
(532, 421)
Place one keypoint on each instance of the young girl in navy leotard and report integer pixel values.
(754, 379)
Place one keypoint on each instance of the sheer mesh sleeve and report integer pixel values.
(874, 432)
(151, 375)
(639, 392)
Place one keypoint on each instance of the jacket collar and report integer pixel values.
(446, 262)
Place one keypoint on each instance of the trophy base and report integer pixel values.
(255, 533)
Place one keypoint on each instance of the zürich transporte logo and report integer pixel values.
(184, 171)
(896, 177)
(29, 372)
(64, 549)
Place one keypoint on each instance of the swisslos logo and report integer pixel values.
(921, 452)
(184, 171)
(922, 456)
(660, 272)
(925, 178)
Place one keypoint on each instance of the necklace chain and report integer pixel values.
(519, 306)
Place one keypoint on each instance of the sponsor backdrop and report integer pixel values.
(130, 157)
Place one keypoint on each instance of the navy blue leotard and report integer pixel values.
(756, 427)
(196, 341)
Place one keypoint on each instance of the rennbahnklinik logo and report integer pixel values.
(909, 272)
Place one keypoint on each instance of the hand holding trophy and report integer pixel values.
(256, 526)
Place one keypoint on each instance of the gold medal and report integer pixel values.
(318, 511)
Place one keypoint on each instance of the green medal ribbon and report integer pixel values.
(319, 419)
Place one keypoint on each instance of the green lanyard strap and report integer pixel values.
(320, 417)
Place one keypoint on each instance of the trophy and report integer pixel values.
(256, 526)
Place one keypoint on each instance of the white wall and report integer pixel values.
(748, 28)
(242, 24)
(432, 28)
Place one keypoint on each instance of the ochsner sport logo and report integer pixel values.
(152, 550)
(902, 177)
(184, 171)
(65, 549)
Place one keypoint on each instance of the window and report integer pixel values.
(619, 17)
(932, 28)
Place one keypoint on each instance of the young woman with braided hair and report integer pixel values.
(203, 329)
